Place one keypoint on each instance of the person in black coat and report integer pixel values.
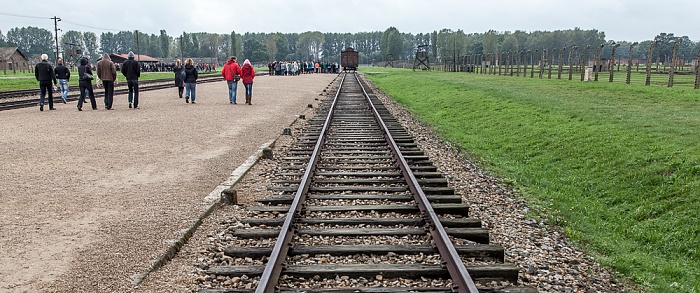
(179, 81)
(131, 69)
(44, 73)
(191, 75)
(85, 83)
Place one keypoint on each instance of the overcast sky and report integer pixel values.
(629, 20)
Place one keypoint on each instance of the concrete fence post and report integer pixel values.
(571, 61)
(612, 65)
(584, 61)
(673, 62)
(629, 64)
(598, 62)
(651, 56)
(561, 62)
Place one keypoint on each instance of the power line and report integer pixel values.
(25, 16)
(92, 27)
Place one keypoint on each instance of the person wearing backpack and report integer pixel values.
(232, 74)
(179, 77)
(247, 74)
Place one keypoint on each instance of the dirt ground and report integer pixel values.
(89, 199)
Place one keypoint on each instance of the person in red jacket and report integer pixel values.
(232, 74)
(247, 74)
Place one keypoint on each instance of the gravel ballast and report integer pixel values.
(546, 259)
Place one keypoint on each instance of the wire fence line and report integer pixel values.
(582, 64)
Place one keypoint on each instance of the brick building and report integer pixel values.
(11, 58)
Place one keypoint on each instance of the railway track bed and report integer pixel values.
(360, 227)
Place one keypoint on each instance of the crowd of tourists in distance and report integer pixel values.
(185, 79)
(298, 67)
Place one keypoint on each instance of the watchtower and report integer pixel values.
(422, 58)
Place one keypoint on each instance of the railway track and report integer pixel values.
(146, 85)
(360, 209)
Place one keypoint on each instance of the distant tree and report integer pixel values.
(33, 41)
(510, 44)
(271, 43)
(154, 46)
(234, 43)
(451, 44)
(164, 41)
(3, 42)
(255, 50)
(281, 47)
(310, 44)
(433, 44)
(392, 43)
(90, 43)
(490, 42)
(71, 40)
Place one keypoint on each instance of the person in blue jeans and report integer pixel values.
(63, 76)
(231, 73)
(191, 76)
(247, 75)
(131, 69)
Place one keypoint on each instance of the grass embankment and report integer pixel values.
(616, 166)
(27, 81)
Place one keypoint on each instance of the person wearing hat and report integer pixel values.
(131, 69)
(44, 73)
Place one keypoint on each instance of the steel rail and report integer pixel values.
(273, 269)
(462, 281)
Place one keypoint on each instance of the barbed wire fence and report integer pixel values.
(585, 63)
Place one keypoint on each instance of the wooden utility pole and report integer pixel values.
(629, 64)
(55, 27)
(612, 65)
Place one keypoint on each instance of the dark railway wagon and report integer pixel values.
(349, 59)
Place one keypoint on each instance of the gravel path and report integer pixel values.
(90, 199)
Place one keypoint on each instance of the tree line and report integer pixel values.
(391, 44)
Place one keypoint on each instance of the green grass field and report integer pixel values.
(615, 166)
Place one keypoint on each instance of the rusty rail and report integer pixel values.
(460, 277)
(273, 269)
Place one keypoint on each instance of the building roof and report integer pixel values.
(6, 52)
(137, 57)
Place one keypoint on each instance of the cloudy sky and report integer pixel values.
(630, 20)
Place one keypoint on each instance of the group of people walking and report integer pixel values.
(185, 79)
(233, 73)
(106, 72)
